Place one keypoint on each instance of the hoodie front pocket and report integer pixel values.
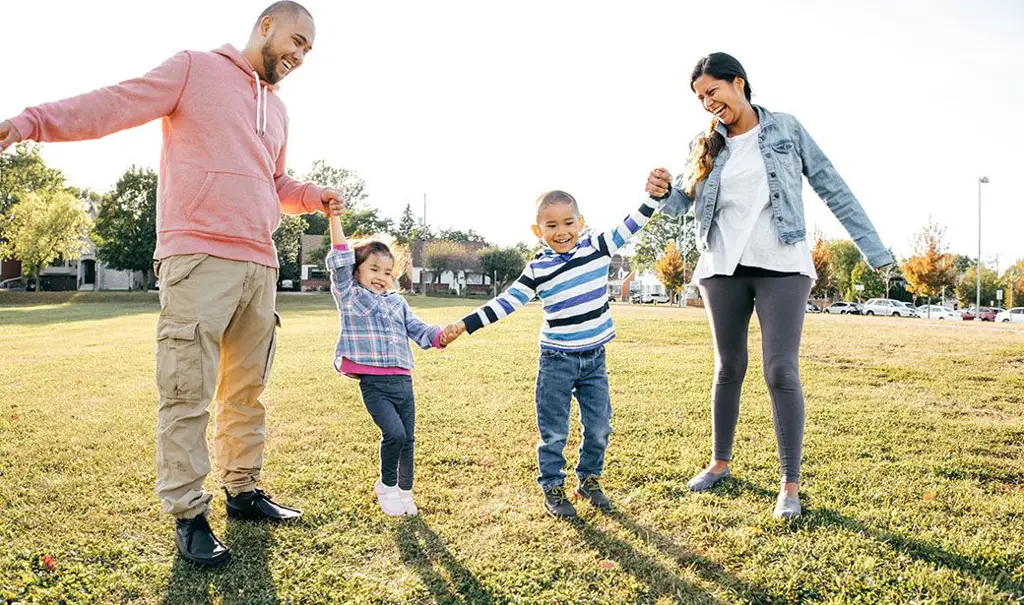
(235, 205)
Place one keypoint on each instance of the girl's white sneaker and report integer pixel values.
(410, 507)
(389, 500)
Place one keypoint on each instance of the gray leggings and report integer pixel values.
(780, 301)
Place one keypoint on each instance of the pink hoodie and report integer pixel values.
(222, 164)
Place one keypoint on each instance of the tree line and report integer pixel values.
(44, 219)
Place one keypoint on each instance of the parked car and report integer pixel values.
(812, 308)
(843, 308)
(938, 312)
(987, 314)
(885, 307)
(908, 310)
(1015, 315)
(16, 284)
(654, 298)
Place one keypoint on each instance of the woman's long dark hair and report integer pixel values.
(720, 66)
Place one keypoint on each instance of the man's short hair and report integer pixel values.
(282, 8)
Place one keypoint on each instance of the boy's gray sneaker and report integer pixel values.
(590, 489)
(787, 508)
(706, 480)
(557, 503)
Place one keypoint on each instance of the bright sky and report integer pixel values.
(484, 105)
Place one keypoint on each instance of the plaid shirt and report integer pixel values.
(375, 328)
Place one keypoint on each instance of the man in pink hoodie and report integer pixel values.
(222, 189)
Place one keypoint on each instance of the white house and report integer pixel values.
(457, 282)
(646, 283)
(88, 273)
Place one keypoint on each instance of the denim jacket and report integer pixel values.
(789, 152)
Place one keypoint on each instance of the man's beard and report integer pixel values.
(269, 65)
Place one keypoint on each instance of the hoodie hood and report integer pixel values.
(236, 57)
(260, 87)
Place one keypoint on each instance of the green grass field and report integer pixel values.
(913, 489)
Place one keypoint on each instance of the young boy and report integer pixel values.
(570, 277)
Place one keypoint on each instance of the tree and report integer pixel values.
(822, 257)
(46, 227)
(873, 282)
(658, 233)
(22, 170)
(895, 285)
(125, 233)
(844, 256)
(288, 241)
(671, 269)
(966, 290)
(962, 263)
(357, 220)
(424, 232)
(364, 222)
(459, 236)
(931, 269)
(406, 226)
(450, 256)
(1013, 285)
(503, 265)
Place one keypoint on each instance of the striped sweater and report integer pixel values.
(573, 288)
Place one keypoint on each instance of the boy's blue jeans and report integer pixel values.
(559, 377)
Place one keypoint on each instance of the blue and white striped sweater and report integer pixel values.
(573, 288)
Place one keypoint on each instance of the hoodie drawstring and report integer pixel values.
(261, 106)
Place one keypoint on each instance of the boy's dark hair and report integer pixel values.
(556, 197)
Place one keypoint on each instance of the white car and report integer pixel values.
(1015, 315)
(842, 307)
(654, 298)
(887, 307)
(908, 310)
(938, 312)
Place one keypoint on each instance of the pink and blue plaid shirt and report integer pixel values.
(375, 328)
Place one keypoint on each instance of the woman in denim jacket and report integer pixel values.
(743, 182)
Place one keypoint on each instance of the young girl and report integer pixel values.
(373, 347)
(744, 185)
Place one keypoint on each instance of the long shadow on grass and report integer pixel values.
(427, 553)
(245, 579)
(706, 568)
(998, 573)
(660, 581)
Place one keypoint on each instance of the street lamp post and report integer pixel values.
(977, 303)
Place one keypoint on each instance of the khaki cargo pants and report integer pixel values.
(216, 334)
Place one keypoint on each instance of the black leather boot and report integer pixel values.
(257, 506)
(197, 544)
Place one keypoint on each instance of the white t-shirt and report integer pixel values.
(743, 231)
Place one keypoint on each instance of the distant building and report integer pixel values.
(458, 283)
(620, 278)
(646, 283)
(312, 277)
(86, 273)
